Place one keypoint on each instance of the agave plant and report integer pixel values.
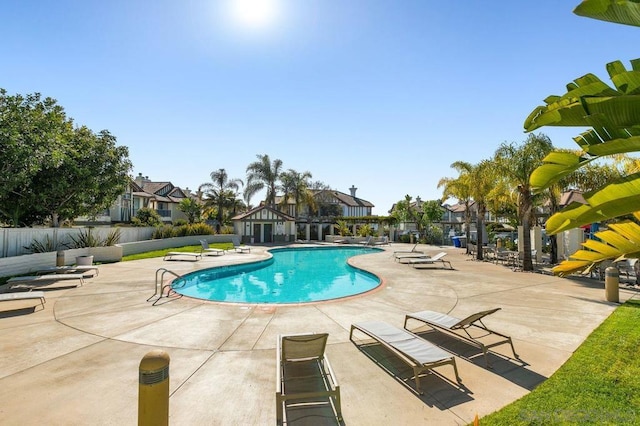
(89, 239)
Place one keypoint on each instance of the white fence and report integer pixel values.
(13, 241)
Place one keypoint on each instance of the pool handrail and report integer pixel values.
(158, 282)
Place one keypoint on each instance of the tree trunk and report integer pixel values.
(55, 220)
(553, 240)
(480, 232)
(525, 204)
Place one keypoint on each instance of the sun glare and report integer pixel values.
(254, 14)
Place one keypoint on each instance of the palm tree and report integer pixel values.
(516, 163)
(220, 193)
(460, 189)
(483, 177)
(263, 174)
(296, 185)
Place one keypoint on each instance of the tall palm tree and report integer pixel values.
(220, 192)
(460, 189)
(483, 177)
(296, 185)
(516, 163)
(263, 174)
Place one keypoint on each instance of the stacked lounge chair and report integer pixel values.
(303, 375)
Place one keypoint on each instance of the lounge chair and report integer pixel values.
(366, 242)
(241, 249)
(382, 242)
(453, 326)
(170, 255)
(413, 250)
(430, 260)
(418, 353)
(68, 269)
(36, 280)
(404, 257)
(304, 375)
(24, 295)
(205, 250)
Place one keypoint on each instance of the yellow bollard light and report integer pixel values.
(153, 389)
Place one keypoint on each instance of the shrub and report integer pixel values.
(180, 222)
(147, 217)
(165, 231)
(168, 231)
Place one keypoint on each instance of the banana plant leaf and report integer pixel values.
(621, 241)
(588, 95)
(616, 199)
(627, 82)
(619, 11)
(555, 166)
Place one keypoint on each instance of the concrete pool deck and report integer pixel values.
(76, 361)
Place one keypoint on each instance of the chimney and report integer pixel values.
(353, 190)
(139, 179)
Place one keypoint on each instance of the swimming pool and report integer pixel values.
(292, 275)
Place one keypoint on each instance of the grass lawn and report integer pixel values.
(161, 253)
(599, 384)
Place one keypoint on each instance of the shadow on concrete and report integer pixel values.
(439, 391)
(505, 366)
(17, 312)
(312, 416)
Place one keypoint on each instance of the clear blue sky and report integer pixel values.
(380, 94)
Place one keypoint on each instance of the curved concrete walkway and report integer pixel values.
(76, 361)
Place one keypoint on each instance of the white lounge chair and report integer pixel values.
(170, 255)
(419, 354)
(403, 257)
(35, 280)
(382, 242)
(304, 375)
(206, 250)
(23, 295)
(69, 269)
(438, 258)
(367, 241)
(453, 326)
(242, 249)
(413, 250)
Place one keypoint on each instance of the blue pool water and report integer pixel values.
(293, 275)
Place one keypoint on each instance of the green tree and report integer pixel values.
(460, 188)
(191, 208)
(52, 170)
(295, 185)
(263, 174)
(430, 212)
(516, 163)
(221, 193)
(483, 177)
(147, 217)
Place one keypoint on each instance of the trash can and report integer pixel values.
(463, 241)
(456, 241)
(60, 258)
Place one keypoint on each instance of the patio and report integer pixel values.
(76, 361)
